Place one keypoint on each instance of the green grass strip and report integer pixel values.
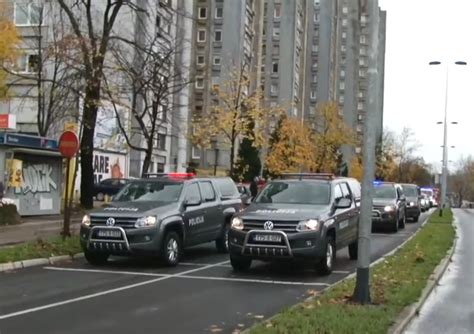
(396, 283)
(41, 249)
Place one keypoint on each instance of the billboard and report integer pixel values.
(108, 135)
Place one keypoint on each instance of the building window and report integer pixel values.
(343, 48)
(275, 67)
(161, 141)
(28, 14)
(315, 64)
(360, 106)
(218, 35)
(219, 13)
(341, 99)
(202, 12)
(316, 17)
(314, 48)
(342, 86)
(276, 49)
(201, 35)
(265, 9)
(313, 95)
(343, 74)
(200, 60)
(363, 39)
(195, 153)
(276, 31)
(344, 22)
(358, 150)
(362, 73)
(359, 118)
(199, 82)
(277, 11)
(345, 10)
(273, 89)
(217, 60)
(28, 63)
(344, 35)
(315, 78)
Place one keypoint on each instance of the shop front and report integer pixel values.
(31, 170)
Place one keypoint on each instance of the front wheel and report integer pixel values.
(171, 249)
(222, 243)
(325, 265)
(96, 259)
(240, 264)
(353, 250)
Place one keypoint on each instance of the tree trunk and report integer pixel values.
(146, 161)
(87, 146)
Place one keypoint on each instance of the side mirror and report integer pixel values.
(344, 203)
(192, 202)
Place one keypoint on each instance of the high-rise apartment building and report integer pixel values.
(300, 52)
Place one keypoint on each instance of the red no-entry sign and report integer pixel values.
(68, 144)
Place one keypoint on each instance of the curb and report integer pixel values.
(412, 311)
(12, 266)
(348, 277)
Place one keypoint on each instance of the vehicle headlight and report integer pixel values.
(412, 203)
(389, 208)
(308, 225)
(237, 223)
(146, 221)
(86, 220)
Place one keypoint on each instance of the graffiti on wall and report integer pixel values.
(31, 178)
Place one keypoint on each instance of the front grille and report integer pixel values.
(123, 222)
(284, 226)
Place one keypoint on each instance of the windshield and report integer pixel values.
(385, 191)
(428, 193)
(152, 191)
(295, 193)
(410, 191)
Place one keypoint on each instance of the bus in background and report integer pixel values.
(431, 194)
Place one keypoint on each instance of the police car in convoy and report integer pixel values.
(298, 217)
(160, 216)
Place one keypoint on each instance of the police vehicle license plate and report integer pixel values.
(267, 237)
(109, 233)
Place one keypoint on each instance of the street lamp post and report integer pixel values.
(444, 170)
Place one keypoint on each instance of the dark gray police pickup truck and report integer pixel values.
(298, 217)
(160, 216)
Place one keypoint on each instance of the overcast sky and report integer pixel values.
(419, 31)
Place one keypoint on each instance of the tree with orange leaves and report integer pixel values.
(9, 40)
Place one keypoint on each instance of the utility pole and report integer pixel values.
(362, 289)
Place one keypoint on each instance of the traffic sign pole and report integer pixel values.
(68, 146)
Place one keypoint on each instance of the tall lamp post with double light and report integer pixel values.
(444, 171)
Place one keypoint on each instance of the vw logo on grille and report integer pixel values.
(268, 225)
(110, 222)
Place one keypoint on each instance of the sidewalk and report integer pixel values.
(449, 308)
(33, 228)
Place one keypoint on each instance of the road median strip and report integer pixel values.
(398, 281)
(39, 252)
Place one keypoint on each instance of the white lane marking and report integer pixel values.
(233, 279)
(247, 280)
(102, 293)
(202, 264)
(340, 271)
(397, 235)
(136, 273)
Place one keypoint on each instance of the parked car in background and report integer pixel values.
(108, 187)
(413, 200)
(389, 206)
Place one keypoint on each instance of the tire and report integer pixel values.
(240, 264)
(222, 243)
(394, 228)
(171, 249)
(326, 264)
(96, 259)
(100, 197)
(402, 223)
(353, 250)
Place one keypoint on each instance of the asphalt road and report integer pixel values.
(200, 295)
(450, 308)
